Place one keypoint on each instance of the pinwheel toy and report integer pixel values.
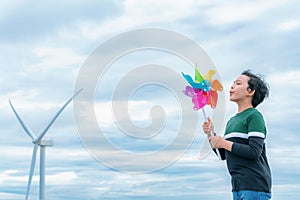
(203, 91)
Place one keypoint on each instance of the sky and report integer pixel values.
(45, 47)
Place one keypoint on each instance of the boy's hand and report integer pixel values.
(208, 127)
(216, 142)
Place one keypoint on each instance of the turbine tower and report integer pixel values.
(39, 142)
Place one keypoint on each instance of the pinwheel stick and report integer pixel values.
(211, 132)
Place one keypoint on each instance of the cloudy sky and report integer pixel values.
(45, 46)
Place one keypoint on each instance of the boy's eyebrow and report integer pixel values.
(238, 80)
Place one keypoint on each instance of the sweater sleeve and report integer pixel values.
(222, 153)
(251, 151)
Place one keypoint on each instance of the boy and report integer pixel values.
(243, 144)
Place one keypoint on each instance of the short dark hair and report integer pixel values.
(257, 83)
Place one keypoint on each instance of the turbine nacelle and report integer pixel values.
(45, 142)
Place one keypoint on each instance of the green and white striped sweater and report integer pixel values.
(247, 162)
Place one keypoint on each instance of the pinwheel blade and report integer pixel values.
(32, 166)
(56, 115)
(24, 126)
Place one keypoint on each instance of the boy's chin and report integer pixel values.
(232, 99)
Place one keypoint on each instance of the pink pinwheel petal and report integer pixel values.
(200, 100)
(197, 104)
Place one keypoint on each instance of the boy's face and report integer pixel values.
(239, 90)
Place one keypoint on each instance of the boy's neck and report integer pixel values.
(244, 107)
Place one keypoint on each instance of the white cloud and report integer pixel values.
(63, 153)
(138, 13)
(289, 25)
(287, 189)
(23, 102)
(229, 13)
(284, 96)
(6, 196)
(288, 156)
(10, 176)
(62, 178)
(150, 10)
(103, 189)
(139, 111)
(54, 58)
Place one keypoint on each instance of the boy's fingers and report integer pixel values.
(208, 120)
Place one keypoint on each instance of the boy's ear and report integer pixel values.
(250, 92)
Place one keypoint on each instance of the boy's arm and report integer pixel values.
(251, 151)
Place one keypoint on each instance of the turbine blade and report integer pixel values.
(24, 126)
(56, 115)
(32, 166)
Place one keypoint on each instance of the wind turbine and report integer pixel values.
(39, 142)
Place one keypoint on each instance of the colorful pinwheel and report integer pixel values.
(203, 89)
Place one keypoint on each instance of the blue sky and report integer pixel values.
(44, 45)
